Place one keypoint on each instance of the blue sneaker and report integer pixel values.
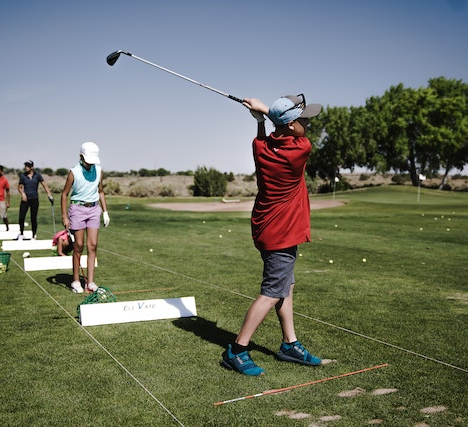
(296, 352)
(241, 363)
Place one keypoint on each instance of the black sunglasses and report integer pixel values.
(301, 105)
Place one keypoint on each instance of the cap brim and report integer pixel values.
(311, 110)
(92, 160)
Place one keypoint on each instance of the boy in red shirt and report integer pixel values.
(280, 221)
(4, 198)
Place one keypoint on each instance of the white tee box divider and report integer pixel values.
(12, 227)
(12, 235)
(26, 245)
(136, 311)
(53, 263)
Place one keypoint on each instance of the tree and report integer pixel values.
(449, 121)
(330, 144)
(418, 130)
(336, 142)
(398, 130)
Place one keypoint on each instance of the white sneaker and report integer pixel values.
(20, 237)
(91, 287)
(76, 287)
(34, 237)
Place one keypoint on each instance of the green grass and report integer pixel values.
(407, 306)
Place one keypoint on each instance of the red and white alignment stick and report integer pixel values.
(292, 387)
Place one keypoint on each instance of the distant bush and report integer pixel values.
(209, 183)
(364, 177)
(459, 176)
(47, 171)
(152, 172)
(55, 187)
(140, 189)
(230, 177)
(311, 184)
(167, 191)
(111, 187)
(61, 172)
(145, 189)
(401, 178)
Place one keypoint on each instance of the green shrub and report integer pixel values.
(249, 178)
(167, 191)
(55, 187)
(140, 189)
(112, 188)
(401, 178)
(209, 183)
(61, 172)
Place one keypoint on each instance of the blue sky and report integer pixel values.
(56, 90)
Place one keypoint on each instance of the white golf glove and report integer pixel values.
(106, 219)
(257, 115)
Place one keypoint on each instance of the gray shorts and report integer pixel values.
(3, 210)
(278, 272)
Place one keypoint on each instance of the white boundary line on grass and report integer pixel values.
(296, 313)
(101, 346)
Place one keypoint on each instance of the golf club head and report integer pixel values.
(71, 237)
(112, 58)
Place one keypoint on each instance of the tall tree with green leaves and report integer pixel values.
(449, 124)
(331, 150)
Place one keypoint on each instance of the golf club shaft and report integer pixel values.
(53, 218)
(112, 58)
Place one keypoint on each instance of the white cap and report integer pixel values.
(90, 153)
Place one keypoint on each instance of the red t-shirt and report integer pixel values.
(4, 185)
(281, 214)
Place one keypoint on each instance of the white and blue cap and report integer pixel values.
(90, 153)
(289, 108)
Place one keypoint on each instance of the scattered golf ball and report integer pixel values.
(300, 254)
(151, 250)
(364, 260)
(336, 225)
(26, 255)
(26, 224)
(220, 236)
(421, 229)
(229, 231)
(448, 229)
(331, 261)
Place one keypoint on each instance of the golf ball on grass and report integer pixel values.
(151, 250)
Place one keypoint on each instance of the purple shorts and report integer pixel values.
(82, 217)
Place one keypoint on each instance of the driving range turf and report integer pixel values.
(384, 281)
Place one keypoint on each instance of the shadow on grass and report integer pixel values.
(210, 332)
(61, 279)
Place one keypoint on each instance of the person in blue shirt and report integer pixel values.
(28, 188)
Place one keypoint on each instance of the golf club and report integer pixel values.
(114, 56)
(53, 217)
